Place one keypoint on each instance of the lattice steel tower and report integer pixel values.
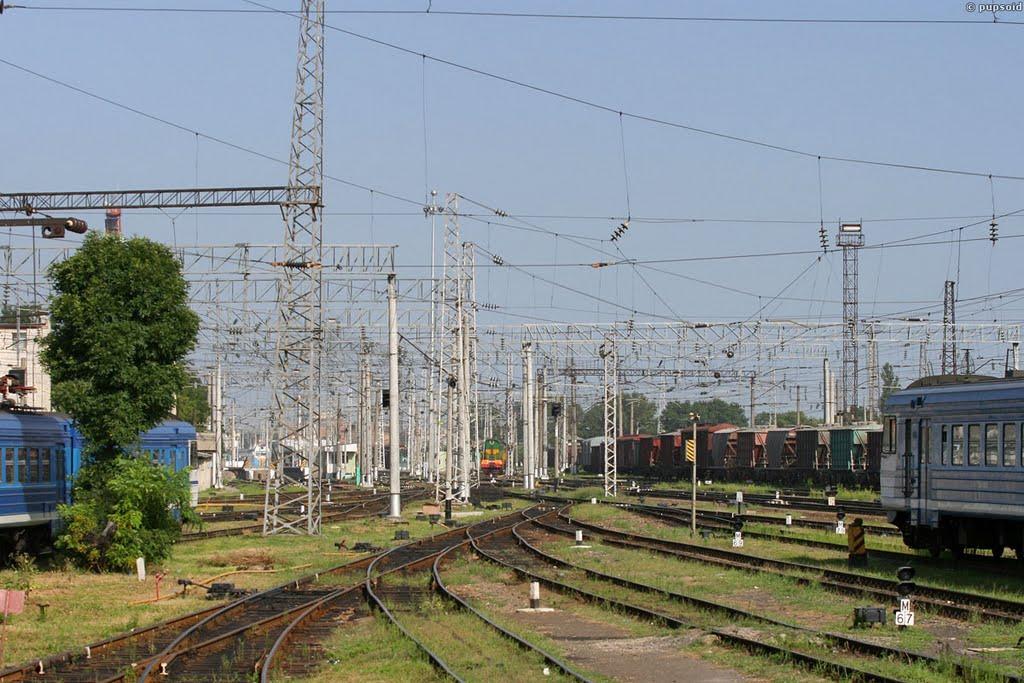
(850, 239)
(610, 373)
(295, 441)
(949, 329)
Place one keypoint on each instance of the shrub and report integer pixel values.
(124, 509)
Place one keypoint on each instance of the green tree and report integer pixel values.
(890, 383)
(121, 328)
(676, 414)
(591, 422)
(788, 419)
(193, 404)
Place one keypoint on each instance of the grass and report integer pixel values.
(1001, 585)
(779, 597)
(85, 607)
(371, 650)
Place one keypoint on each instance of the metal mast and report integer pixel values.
(874, 395)
(296, 390)
(850, 239)
(611, 391)
(949, 329)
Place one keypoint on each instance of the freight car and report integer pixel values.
(822, 456)
(952, 472)
(40, 454)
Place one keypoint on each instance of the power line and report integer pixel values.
(646, 117)
(496, 14)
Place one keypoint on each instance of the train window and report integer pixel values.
(973, 445)
(1009, 444)
(889, 435)
(924, 448)
(8, 454)
(33, 464)
(908, 436)
(44, 464)
(991, 445)
(22, 465)
(945, 445)
(957, 457)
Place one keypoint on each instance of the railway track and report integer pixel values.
(509, 548)
(955, 604)
(402, 582)
(366, 508)
(128, 656)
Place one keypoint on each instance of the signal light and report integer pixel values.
(556, 410)
(905, 576)
(385, 398)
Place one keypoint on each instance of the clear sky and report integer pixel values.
(934, 95)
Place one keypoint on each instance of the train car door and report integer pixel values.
(907, 452)
(923, 453)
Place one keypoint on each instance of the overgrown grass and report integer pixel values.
(371, 650)
(785, 599)
(85, 607)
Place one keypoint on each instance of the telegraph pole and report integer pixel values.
(394, 460)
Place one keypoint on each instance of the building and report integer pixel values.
(20, 349)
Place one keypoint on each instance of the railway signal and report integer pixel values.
(841, 521)
(905, 588)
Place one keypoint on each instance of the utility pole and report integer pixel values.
(611, 390)
(752, 400)
(529, 415)
(218, 427)
(296, 395)
(850, 239)
(949, 329)
(873, 391)
(393, 401)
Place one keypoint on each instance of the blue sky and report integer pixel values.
(934, 95)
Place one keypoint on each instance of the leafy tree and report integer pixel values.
(787, 419)
(193, 404)
(676, 414)
(890, 383)
(121, 328)
(591, 423)
(642, 411)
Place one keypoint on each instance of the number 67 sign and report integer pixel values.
(904, 617)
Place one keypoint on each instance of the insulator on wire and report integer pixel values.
(497, 260)
(993, 231)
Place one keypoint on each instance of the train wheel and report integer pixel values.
(997, 551)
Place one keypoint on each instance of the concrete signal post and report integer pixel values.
(691, 455)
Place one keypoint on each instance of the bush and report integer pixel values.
(124, 509)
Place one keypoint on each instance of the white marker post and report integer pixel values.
(905, 615)
(140, 567)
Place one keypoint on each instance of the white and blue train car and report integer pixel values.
(952, 474)
(40, 454)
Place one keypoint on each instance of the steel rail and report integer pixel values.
(526, 645)
(846, 641)
(957, 604)
(810, 661)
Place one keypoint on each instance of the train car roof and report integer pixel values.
(21, 421)
(973, 389)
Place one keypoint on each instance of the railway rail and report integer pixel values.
(401, 580)
(956, 604)
(510, 549)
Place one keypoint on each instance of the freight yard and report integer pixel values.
(465, 342)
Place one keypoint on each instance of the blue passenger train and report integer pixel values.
(952, 471)
(40, 454)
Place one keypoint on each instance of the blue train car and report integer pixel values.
(952, 471)
(40, 454)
